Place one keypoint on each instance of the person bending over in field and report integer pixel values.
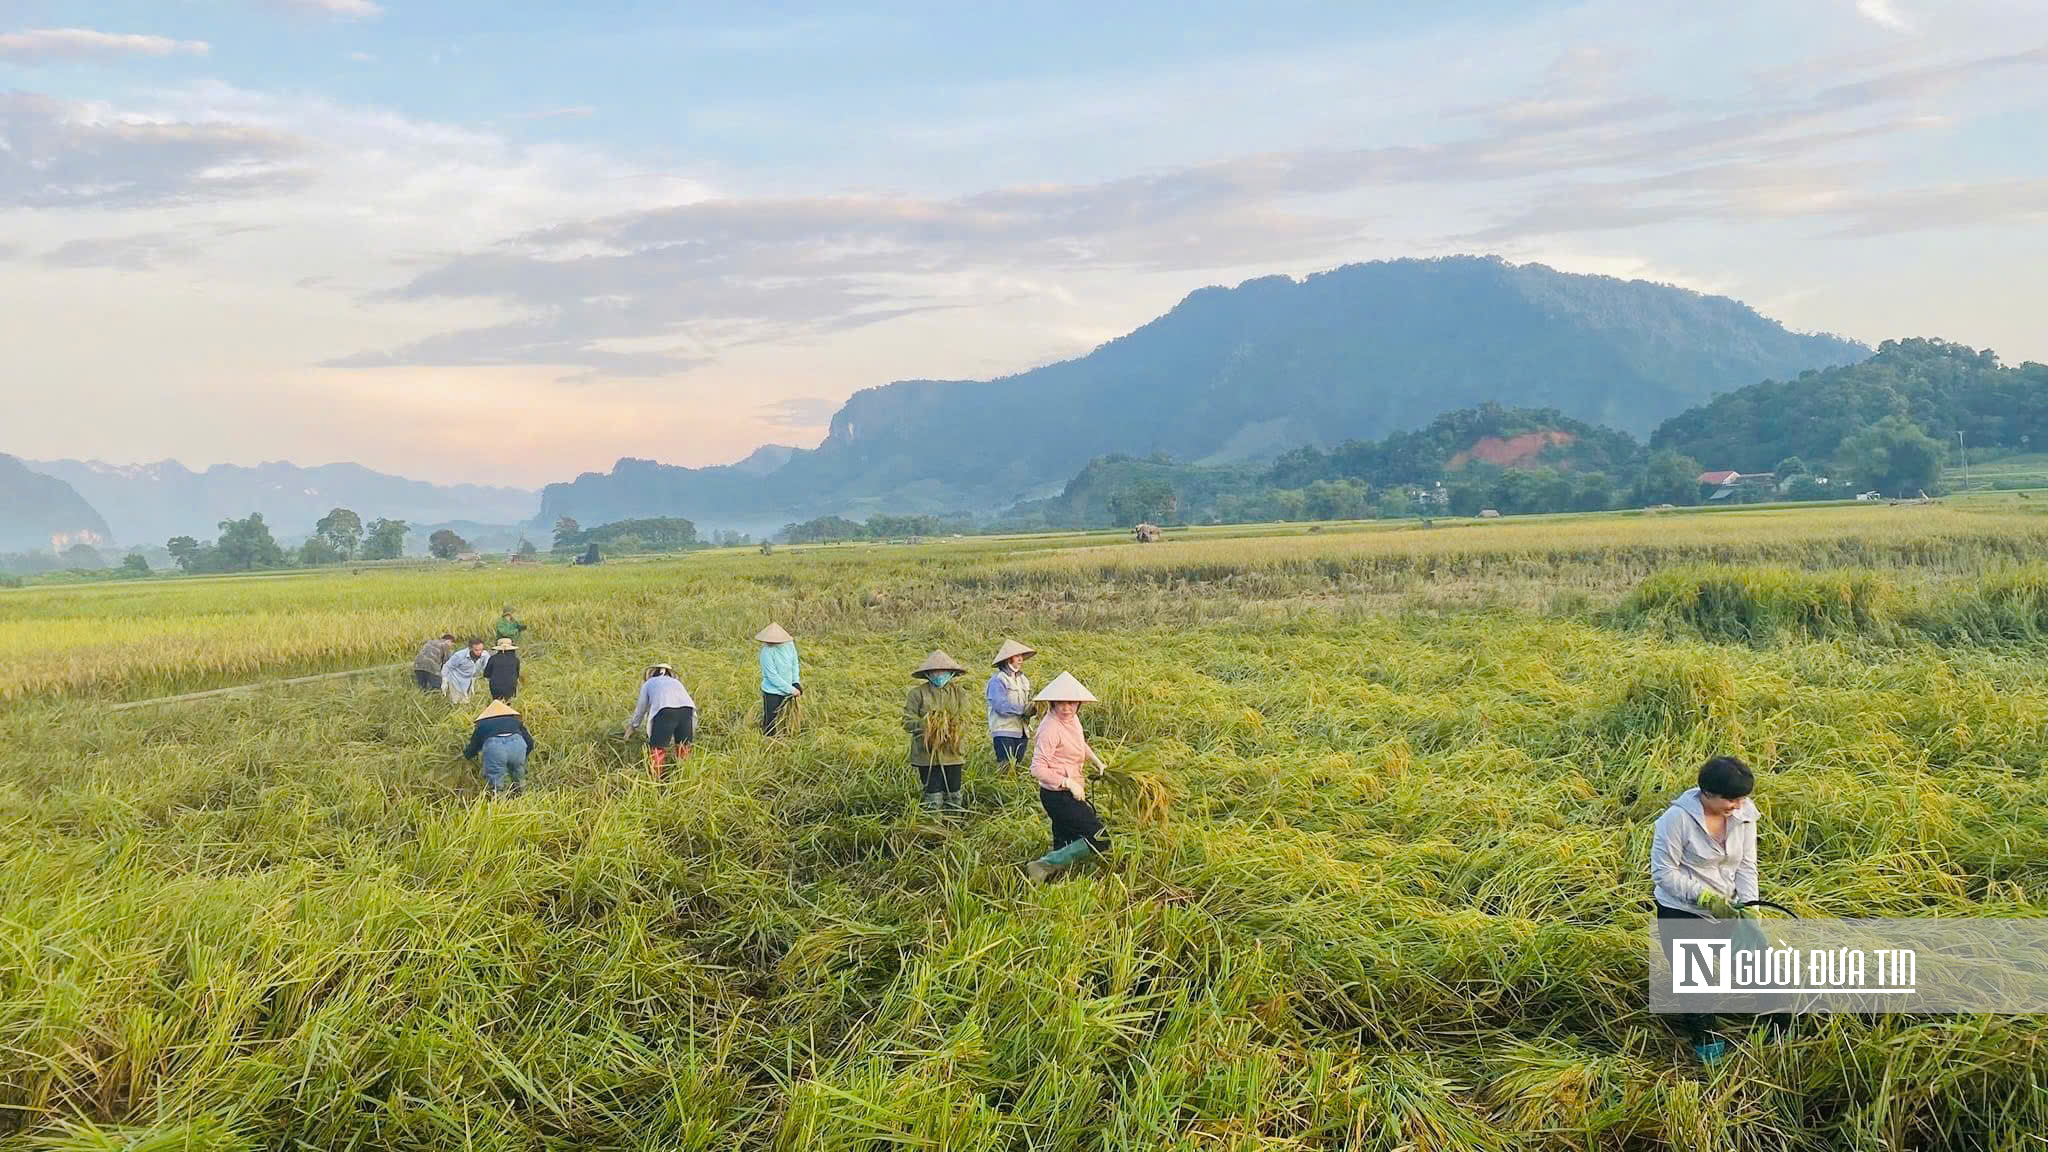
(433, 656)
(501, 668)
(670, 715)
(1059, 762)
(936, 716)
(1009, 703)
(781, 675)
(458, 675)
(501, 736)
(508, 626)
(1703, 865)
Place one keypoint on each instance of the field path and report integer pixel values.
(181, 697)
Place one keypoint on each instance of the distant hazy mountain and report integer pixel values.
(149, 503)
(42, 513)
(1243, 373)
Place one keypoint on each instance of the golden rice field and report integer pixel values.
(1396, 897)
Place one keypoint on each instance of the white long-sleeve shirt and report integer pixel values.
(1686, 863)
(657, 693)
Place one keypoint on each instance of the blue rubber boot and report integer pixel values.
(1058, 860)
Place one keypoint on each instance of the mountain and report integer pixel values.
(39, 512)
(1939, 387)
(1236, 374)
(150, 503)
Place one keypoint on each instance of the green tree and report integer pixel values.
(246, 544)
(1789, 467)
(186, 552)
(83, 555)
(446, 545)
(1892, 456)
(385, 540)
(343, 531)
(568, 533)
(527, 549)
(1806, 487)
(1670, 478)
(319, 550)
(133, 564)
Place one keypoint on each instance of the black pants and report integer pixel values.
(428, 681)
(770, 705)
(1009, 749)
(939, 777)
(1072, 819)
(672, 726)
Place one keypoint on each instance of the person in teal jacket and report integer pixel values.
(781, 676)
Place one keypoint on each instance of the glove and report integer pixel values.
(1718, 906)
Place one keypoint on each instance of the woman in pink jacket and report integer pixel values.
(1060, 765)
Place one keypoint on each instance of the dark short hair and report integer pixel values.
(474, 640)
(1727, 777)
(447, 635)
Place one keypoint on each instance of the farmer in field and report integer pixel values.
(508, 626)
(936, 715)
(670, 716)
(1059, 762)
(1703, 865)
(781, 677)
(1009, 703)
(459, 673)
(433, 656)
(501, 669)
(505, 743)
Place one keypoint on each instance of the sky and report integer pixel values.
(507, 241)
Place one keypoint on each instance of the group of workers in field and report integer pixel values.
(1703, 852)
(937, 715)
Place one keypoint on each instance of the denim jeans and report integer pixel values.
(1009, 749)
(505, 763)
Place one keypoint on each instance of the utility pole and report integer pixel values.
(1966, 459)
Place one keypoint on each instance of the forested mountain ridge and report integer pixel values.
(1240, 374)
(1937, 387)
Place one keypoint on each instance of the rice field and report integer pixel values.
(1381, 812)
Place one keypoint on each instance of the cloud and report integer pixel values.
(57, 153)
(40, 44)
(136, 252)
(1884, 12)
(801, 411)
(572, 112)
(362, 58)
(340, 9)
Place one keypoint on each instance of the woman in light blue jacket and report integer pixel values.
(1703, 864)
(781, 675)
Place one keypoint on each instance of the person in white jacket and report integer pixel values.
(669, 713)
(458, 675)
(1703, 864)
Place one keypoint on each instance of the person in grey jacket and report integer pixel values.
(1703, 865)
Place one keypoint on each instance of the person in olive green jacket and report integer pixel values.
(941, 707)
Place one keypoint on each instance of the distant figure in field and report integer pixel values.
(1703, 865)
(1009, 703)
(936, 715)
(670, 716)
(459, 673)
(501, 668)
(433, 656)
(505, 743)
(508, 626)
(781, 676)
(1059, 762)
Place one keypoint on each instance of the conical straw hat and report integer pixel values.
(505, 644)
(1065, 687)
(938, 661)
(1012, 648)
(498, 708)
(773, 634)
